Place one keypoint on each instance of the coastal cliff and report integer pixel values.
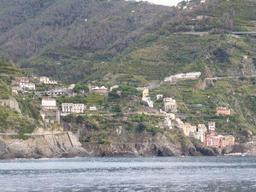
(47, 145)
(66, 144)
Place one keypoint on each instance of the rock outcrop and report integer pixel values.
(12, 103)
(51, 145)
(156, 146)
(66, 144)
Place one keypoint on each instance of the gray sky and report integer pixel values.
(164, 2)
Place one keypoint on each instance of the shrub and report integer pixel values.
(141, 127)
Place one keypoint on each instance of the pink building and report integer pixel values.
(23, 79)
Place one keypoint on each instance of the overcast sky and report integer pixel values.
(164, 2)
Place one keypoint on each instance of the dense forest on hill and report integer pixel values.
(127, 42)
(82, 41)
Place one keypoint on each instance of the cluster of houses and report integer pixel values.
(182, 76)
(76, 108)
(200, 132)
(211, 139)
(146, 98)
(25, 85)
(51, 110)
(169, 103)
(207, 135)
(188, 5)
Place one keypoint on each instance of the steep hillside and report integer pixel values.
(135, 43)
(23, 116)
(71, 33)
(82, 41)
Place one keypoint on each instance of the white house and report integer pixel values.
(78, 108)
(172, 79)
(170, 104)
(48, 102)
(183, 76)
(150, 102)
(171, 115)
(211, 126)
(30, 86)
(159, 96)
(43, 79)
(42, 114)
(67, 107)
(93, 108)
(192, 75)
(201, 132)
(51, 82)
(168, 123)
(72, 107)
(100, 90)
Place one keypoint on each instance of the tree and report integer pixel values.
(79, 88)
(113, 95)
(117, 108)
(141, 127)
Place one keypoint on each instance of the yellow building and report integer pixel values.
(145, 93)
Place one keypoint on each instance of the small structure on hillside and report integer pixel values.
(50, 110)
(23, 79)
(30, 86)
(73, 107)
(100, 90)
(71, 86)
(49, 103)
(183, 76)
(145, 93)
(159, 96)
(15, 90)
(170, 104)
(43, 79)
(223, 111)
(93, 108)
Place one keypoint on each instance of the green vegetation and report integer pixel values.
(79, 88)
(132, 44)
(120, 47)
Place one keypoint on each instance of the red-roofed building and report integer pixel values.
(23, 79)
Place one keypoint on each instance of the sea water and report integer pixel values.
(130, 174)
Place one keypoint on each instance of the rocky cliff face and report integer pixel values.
(12, 103)
(57, 145)
(52, 145)
(156, 146)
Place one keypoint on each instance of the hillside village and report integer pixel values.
(181, 75)
(52, 113)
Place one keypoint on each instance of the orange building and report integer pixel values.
(221, 141)
(231, 140)
(223, 111)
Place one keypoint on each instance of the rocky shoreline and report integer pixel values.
(66, 145)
